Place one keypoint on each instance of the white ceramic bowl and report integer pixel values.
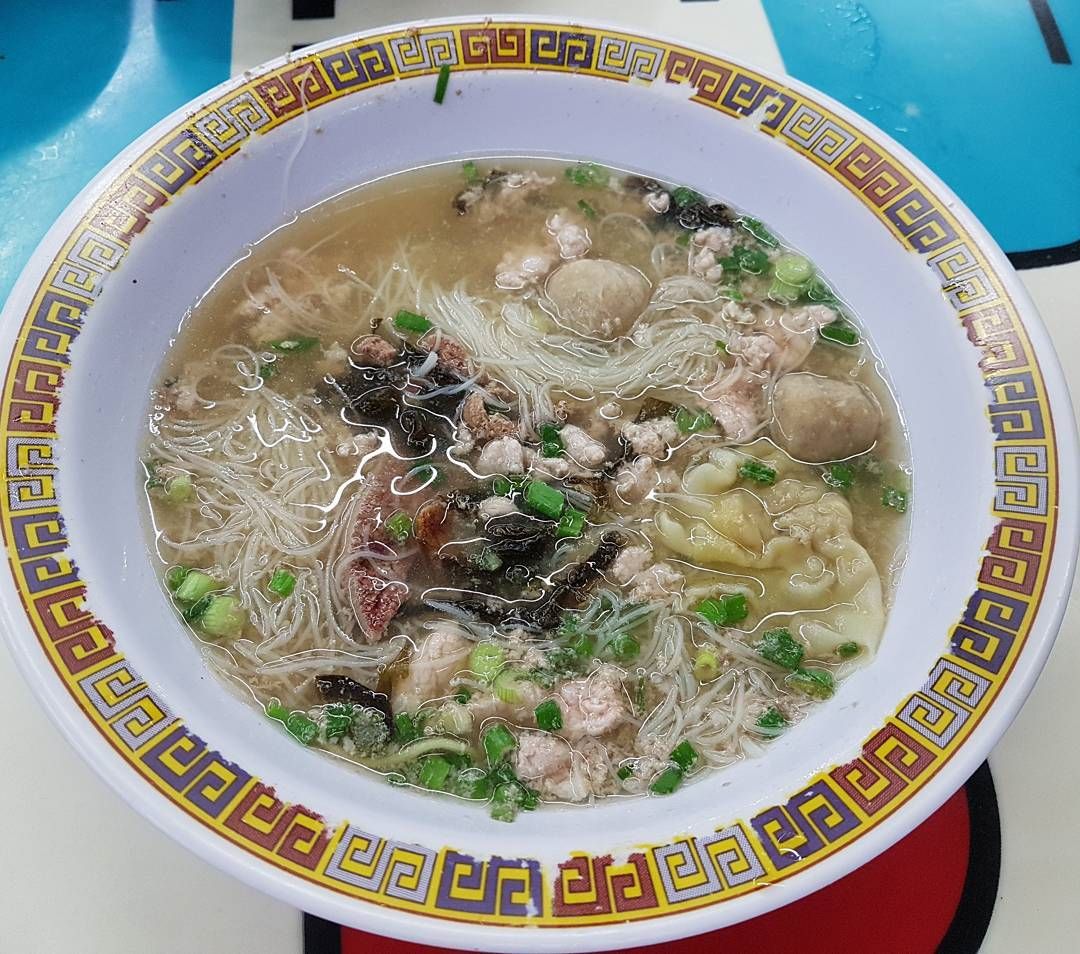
(994, 517)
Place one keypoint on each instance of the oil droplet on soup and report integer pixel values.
(528, 482)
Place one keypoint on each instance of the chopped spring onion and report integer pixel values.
(544, 500)
(733, 293)
(729, 608)
(194, 612)
(624, 647)
(755, 470)
(473, 783)
(690, 422)
(721, 346)
(669, 780)
(194, 586)
(505, 802)
(434, 771)
(410, 321)
(783, 292)
(571, 523)
(818, 290)
(441, 83)
(498, 742)
(153, 481)
(684, 755)
(624, 772)
(818, 683)
(399, 526)
(407, 728)
(501, 487)
(463, 695)
(582, 645)
(339, 720)
(587, 174)
(486, 660)
(282, 583)
(179, 489)
(551, 444)
(780, 647)
(896, 499)
(840, 476)
(683, 196)
(275, 710)
(762, 234)
(706, 665)
(549, 716)
(504, 686)
(848, 650)
(751, 260)
(294, 345)
(794, 270)
(265, 370)
(771, 722)
(682, 239)
(222, 617)
(841, 333)
(175, 576)
(472, 174)
(587, 210)
(301, 728)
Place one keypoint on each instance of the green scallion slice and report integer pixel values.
(472, 174)
(840, 332)
(794, 269)
(410, 321)
(848, 650)
(434, 771)
(175, 576)
(498, 742)
(586, 209)
(624, 647)
(683, 197)
(549, 716)
(441, 83)
(762, 234)
(668, 780)
(757, 471)
(691, 422)
(571, 523)
(399, 526)
(771, 722)
(751, 260)
(544, 500)
(840, 476)
(728, 609)
(684, 755)
(282, 583)
(894, 499)
(194, 586)
(223, 617)
(818, 683)
(486, 660)
(781, 648)
(301, 728)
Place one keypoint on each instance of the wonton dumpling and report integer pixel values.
(793, 536)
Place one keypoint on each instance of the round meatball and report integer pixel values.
(598, 297)
(818, 419)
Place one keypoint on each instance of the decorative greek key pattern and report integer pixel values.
(376, 865)
(833, 808)
(804, 826)
(694, 868)
(498, 887)
(1023, 479)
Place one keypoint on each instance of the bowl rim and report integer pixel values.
(955, 768)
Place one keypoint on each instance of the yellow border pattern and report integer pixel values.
(836, 807)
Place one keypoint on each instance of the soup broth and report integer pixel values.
(528, 481)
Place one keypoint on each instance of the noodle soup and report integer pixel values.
(528, 482)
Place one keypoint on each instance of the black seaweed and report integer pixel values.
(340, 688)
